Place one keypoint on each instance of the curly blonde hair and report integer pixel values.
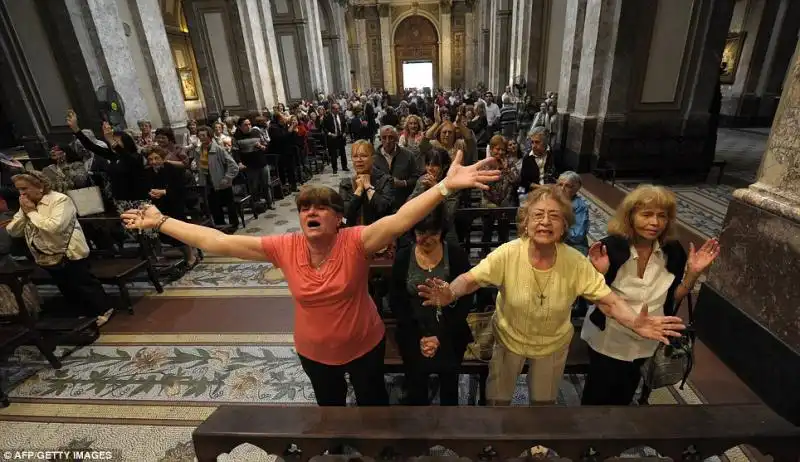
(411, 117)
(645, 195)
(540, 193)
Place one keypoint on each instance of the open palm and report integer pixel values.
(699, 260)
(470, 176)
(657, 327)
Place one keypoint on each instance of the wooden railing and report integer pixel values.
(591, 433)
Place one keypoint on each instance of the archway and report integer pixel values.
(415, 40)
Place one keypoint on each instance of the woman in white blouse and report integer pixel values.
(648, 269)
(49, 222)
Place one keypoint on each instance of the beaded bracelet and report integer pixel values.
(160, 223)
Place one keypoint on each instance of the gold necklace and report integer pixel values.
(542, 297)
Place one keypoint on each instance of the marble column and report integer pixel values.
(571, 56)
(363, 50)
(739, 101)
(342, 63)
(748, 311)
(445, 46)
(273, 74)
(313, 44)
(386, 48)
(470, 45)
(104, 46)
(526, 42)
(776, 61)
(494, 46)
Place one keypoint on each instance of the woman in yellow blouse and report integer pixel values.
(539, 277)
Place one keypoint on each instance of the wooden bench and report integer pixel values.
(577, 360)
(110, 261)
(586, 433)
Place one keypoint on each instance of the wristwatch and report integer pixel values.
(443, 189)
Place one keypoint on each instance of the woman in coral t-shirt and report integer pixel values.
(337, 326)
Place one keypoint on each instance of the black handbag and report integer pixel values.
(671, 364)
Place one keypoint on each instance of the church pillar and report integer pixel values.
(500, 45)
(571, 56)
(160, 63)
(363, 49)
(739, 100)
(313, 44)
(470, 45)
(342, 62)
(269, 59)
(526, 42)
(446, 48)
(748, 311)
(104, 44)
(776, 61)
(386, 48)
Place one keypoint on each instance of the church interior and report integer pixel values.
(211, 125)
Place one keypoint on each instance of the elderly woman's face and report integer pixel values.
(57, 155)
(649, 222)
(412, 125)
(447, 135)
(545, 222)
(537, 145)
(569, 188)
(362, 161)
(319, 222)
(155, 160)
(28, 190)
(512, 148)
(162, 140)
(146, 128)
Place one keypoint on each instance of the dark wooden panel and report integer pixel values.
(571, 432)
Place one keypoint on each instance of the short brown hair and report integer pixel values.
(498, 140)
(35, 178)
(540, 193)
(645, 195)
(320, 196)
(161, 152)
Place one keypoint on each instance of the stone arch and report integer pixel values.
(418, 39)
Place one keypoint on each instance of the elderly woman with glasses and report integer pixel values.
(539, 278)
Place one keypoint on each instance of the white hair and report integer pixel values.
(389, 128)
(572, 177)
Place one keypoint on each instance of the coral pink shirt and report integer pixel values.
(336, 320)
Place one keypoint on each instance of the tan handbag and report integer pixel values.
(483, 336)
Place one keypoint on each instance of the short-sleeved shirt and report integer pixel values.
(523, 323)
(336, 320)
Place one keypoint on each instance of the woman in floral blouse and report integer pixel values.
(500, 193)
(67, 170)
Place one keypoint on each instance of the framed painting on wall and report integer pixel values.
(188, 84)
(730, 56)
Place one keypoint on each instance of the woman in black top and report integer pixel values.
(368, 194)
(126, 169)
(430, 339)
(166, 186)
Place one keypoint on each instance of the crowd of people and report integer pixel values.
(411, 167)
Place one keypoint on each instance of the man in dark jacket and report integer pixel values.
(397, 162)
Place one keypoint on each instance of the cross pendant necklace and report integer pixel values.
(542, 297)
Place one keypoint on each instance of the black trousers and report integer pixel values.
(219, 198)
(610, 382)
(336, 149)
(83, 292)
(366, 376)
(287, 167)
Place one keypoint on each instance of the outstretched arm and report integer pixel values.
(208, 239)
(384, 231)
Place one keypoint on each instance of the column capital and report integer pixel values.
(383, 10)
(445, 6)
(359, 12)
(470, 4)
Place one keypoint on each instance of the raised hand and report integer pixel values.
(147, 218)
(657, 327)
(471, 176)
(598, 255)
(699, 260)
(72, 120)
(436, 293)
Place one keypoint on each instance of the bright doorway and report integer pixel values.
(417, 74)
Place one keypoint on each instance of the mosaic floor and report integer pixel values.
(143, 394)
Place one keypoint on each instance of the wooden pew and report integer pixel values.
(110, 261)
(587, 433)
(577, 360)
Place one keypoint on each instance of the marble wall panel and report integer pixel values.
(758, 268)
(222, 58)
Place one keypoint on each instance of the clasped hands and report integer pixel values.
(157, 193)
(363, 182)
